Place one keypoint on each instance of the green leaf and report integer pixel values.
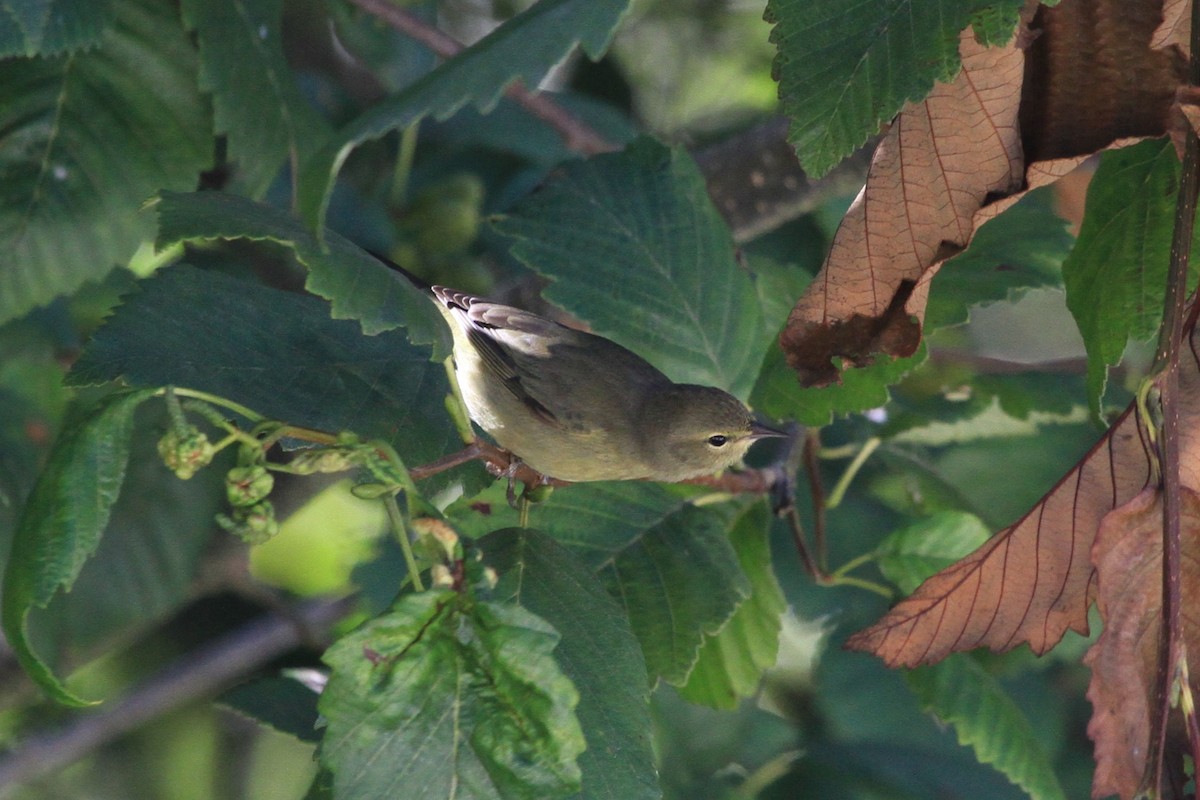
(84, 141)
(678, 580)
(1022, 248)
(732, 662)
(962, 693)
(50, 27)
(283, 703)
(280, 354)
(586, 517)
(525, 48)
(598, 652)
(635, 248)
(448, 697)
(993, 25)
(910, 555)
(667, 562)
(508, 128)
(1023, 393)
(63, 520)
(148, 559)
(844, 69)
(32, 402)
(1116, 274)
(256, 102)
(358, 285)
(779, 395)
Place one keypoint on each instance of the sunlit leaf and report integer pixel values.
(1022, 248)
(1116, 275)
(780, 396)
(910, 555)
(668, 563)
(598, 652)
(444, 697)
(636, 249)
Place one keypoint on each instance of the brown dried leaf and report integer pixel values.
(1094, 75)
(1080, 77)
(1176, 27)
(1124, 659)
(930, 174)
(1033, 581)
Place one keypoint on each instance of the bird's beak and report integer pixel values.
(760, 431)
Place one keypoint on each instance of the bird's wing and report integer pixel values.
(504, 336)
(514, 345)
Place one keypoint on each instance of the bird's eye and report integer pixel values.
(718, 440)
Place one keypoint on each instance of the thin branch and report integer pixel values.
(502, 463)
(812, 468)
(579, 136)
(197, 675)
(1167, 360)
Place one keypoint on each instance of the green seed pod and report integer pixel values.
(246, 486)
(185, 453)
(254, 525)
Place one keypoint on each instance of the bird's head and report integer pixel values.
(689, 430)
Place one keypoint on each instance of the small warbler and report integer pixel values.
(578, 407)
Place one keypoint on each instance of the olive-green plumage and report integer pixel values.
(575, 406)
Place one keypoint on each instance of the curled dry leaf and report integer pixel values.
(1078, 77)
(930, 174)
(1033, 581)
(1124, 659)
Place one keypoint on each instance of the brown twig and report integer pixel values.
(500, 462)
(812, 446)
(197, 675)
(578, 136)
(1167, 361)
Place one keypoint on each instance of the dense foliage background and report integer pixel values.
(189, 195)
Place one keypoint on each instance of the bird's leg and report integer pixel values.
(510, 475)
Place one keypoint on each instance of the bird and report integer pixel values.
(578, 407)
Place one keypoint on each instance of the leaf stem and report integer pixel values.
(841, 576)
(215, 400)
(839, 489)
(853, 564)
(401, 530)
(404, 161)
(796, 527)
(862, 583)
